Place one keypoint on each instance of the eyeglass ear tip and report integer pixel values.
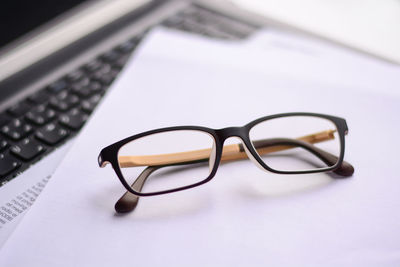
(126, 203)
(123, 207)
(345, 170)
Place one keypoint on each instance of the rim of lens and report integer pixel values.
(267, 165)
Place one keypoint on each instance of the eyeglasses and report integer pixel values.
(177, 158)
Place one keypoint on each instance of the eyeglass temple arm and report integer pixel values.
(129, 201)
(345, 169)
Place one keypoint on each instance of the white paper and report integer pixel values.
(18, 195)
(244, 216)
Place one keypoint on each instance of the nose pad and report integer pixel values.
(211, 160)
(251, 157)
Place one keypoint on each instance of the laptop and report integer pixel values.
(57, 61)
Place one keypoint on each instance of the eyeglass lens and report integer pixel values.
(184, 154)
(296, 143)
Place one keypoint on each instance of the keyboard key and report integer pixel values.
(40, 115)
(93, 66)
(89, 105)
(27, 149)
(110, 56)
(81, 83)
(51, 134)
(83, 92)
(75, 76)
(96, 87)
(105, 78)
(19, 109)
(39, 97)
(127, 47)
(57, 86)
(16, 129)
(7, 164)
(73, 119)
(63, 101)
(83, 89)
(106, 68)
(3, 144)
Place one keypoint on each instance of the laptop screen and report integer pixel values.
(19, 17)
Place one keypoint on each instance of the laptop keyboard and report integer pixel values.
(209, 23)
(37, 125)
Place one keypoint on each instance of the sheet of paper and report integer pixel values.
(243, 216)
(277, 53)
(344, 67)
(20, 194)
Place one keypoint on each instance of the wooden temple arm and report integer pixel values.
(230, 152)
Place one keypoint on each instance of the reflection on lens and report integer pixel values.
(183, 158)
(296, 143)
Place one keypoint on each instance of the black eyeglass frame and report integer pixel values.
(109, 154)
